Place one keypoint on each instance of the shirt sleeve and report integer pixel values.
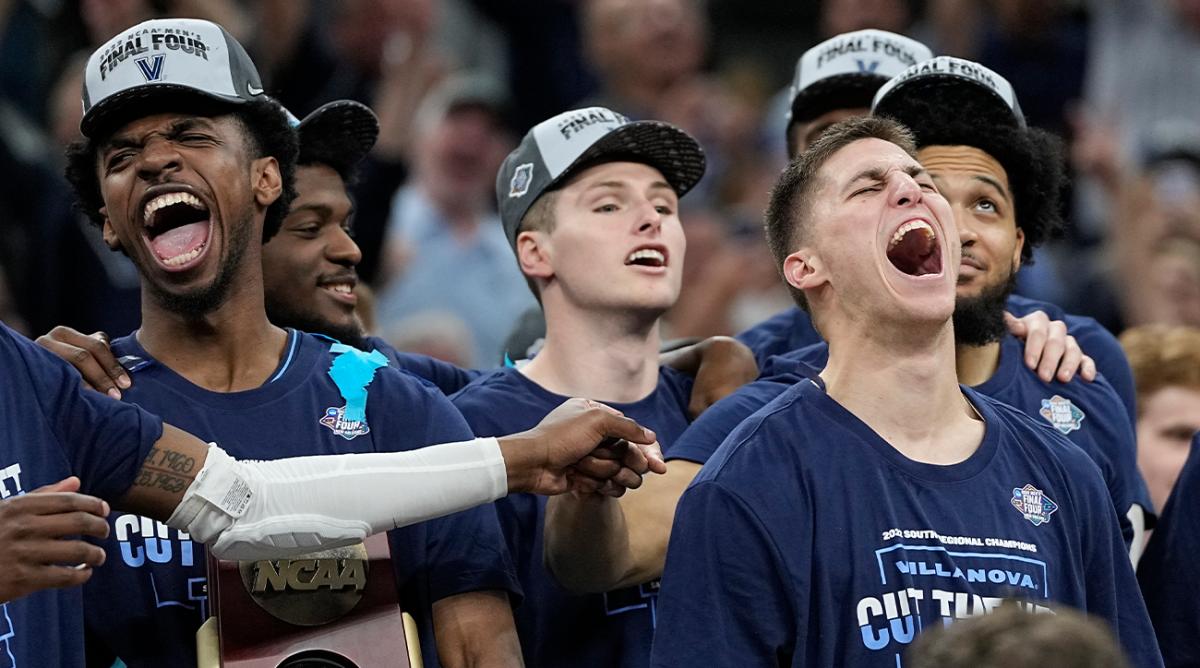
(1111, 362)
(1112, 588)
(702, 438)
(1168, 573)
(103, 440)
(467, 553)
(726, 598)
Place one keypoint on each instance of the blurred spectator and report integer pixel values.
(1040, 46)
(78, 281)
(1154, 234)
(642, 49)
(1011, 636)
(1166, 369)
(312, 52)
(842, 16)
(438, 335)
(1144, 63)
(446, 252)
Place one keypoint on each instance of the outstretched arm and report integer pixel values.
(248, 509)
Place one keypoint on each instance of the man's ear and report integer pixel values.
(266, 180)
(108, 233)
(1017, 249)
(534, 252)
(804, 270)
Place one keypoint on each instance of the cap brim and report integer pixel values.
(665, 147)
(842, 91)
(950, 88)
(119, 108)
(341, 133)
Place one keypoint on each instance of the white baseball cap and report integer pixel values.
(844, 72)
(558, 147)
(942, 74)
(165, 60)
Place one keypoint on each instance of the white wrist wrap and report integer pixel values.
(255, 510)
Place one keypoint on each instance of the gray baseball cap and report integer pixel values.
(558, 147)
(943, 80)
(164, 60)
(844, 71)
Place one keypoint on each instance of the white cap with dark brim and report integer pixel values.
(164, 61)
(939, 74)
(558, 147)
(844, 71)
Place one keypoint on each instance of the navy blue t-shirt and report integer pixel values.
(1095, 340)
(557, 628)
(807, 540)
(792, 330)
(145, 605)
(448, 377)
(1089, 414)
(53, 428)
(1168, 574)
(781, 333)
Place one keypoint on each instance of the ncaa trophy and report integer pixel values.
(337, 608)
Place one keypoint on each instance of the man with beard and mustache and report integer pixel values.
(1003, 181)
(186, 166)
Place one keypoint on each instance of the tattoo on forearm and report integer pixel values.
(167, 470)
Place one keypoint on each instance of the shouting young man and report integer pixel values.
(880, 496)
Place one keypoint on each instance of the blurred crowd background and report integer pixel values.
(457, 82)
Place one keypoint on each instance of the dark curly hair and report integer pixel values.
(266, 126)
(1033, 158)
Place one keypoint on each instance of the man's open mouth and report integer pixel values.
(914, 250)
(177, 226)
(647, 257)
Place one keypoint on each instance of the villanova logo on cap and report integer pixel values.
(867, 67)
(521, 178)
(151, 68)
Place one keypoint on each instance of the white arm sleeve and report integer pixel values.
(256, 510)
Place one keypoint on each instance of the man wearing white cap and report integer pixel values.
(186, 167)
(590, 204)
(879, 497)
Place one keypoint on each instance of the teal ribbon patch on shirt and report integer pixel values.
(352, 371)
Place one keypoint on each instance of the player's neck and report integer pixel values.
(229, 349)
(976, 364)
(906, 390)
(601, 357)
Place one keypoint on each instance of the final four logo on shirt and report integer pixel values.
(521, 179)
(1064, 415)
(335, 419)
(1033, 504)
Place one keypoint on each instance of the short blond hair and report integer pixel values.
(1162, 356)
